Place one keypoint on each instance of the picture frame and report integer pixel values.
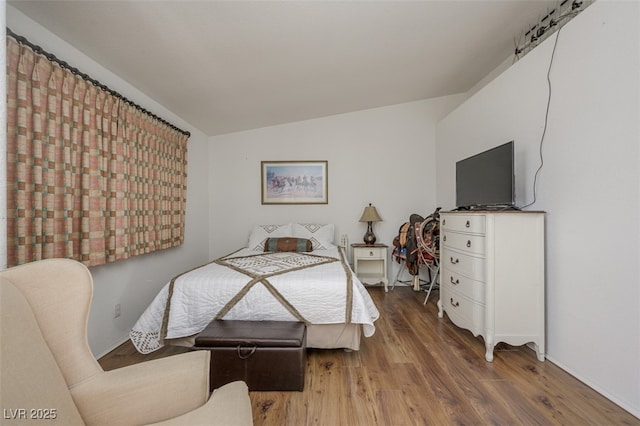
(294, 182)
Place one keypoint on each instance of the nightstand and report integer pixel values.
(370, 263)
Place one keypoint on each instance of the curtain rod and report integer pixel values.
(50, 56)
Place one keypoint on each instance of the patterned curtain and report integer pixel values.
(89, 176)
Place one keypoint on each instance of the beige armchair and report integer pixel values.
(50, 376)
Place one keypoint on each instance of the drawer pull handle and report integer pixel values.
(370, 253)
(468, 243)
(456, 282)
(468, 224)
(455, 305)
(456, 261)
(444, 238)
(444, 222)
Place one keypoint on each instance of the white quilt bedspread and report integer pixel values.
(309, 287)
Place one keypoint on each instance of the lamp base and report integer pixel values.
(369, 237)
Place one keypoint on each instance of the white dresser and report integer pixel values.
(492, 276)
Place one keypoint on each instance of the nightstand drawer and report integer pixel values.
(464, 242)
(474, 224)
(371, 252)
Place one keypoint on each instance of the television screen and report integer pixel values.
(486, 179)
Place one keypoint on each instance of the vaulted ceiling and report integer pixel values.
(227, 66)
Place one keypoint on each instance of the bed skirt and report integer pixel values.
(320, 336)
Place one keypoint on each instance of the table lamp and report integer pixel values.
(370, 215)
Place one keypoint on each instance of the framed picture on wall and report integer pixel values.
(294, 182)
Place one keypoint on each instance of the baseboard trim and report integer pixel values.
(112, 347)
(622, 404)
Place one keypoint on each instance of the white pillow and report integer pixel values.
(260, 234)
(320, 234)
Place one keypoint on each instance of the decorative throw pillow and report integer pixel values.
(288, 244)
(320, 234)
(260, 234)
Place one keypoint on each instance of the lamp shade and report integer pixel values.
(370, 214)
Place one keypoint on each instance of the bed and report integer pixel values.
(279, 283)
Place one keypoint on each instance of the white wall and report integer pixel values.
(589, 185)
(383, 156)
(133, 282)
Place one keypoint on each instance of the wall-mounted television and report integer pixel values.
(487, 180)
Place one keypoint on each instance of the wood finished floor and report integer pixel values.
(421, 370)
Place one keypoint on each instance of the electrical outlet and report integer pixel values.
(117, 311)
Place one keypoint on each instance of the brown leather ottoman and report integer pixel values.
(267, 355)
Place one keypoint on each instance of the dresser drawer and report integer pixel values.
(463, 264)
(463, 223)
(474, 290)
(464, 312)
(464, 242)
(371, 252)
